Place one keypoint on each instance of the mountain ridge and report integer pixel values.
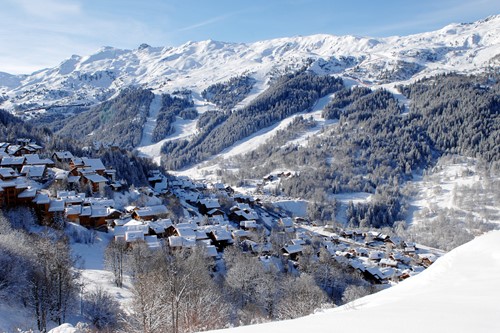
(90, 79)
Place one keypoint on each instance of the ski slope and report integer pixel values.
(459, 293)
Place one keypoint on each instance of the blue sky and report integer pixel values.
(35, 34)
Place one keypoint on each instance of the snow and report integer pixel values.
(295, 207)
(458, 293)
(261, 137)
(93, 274)
(182, 129)
(196, 65)
(439, 190)
(150, 124)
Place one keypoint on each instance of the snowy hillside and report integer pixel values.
(459, 293)
(196, 65)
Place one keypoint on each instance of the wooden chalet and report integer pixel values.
(63, 156)
(150, 212)
(221, 238)
(206, 205)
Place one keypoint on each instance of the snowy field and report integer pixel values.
(459, 293)
(455, 185)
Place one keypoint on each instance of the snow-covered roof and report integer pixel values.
(94, 164)
(151, 210)
(211, 251)
(73, 210)
(287, 222)
(152, 242)
(98, 211)
(30, 192)
(73, 179)
(95, 178)
(429, 256)
(33, 171)
(248, 224)
(8, 173)
(210, 203)
(159, 226)
(12, 160)
(42, 199)
(221, 234)
(291, 249)
(388, 262)
(186, 232)
(241, 233)
(56, 205)
(132, 236)
(106, 202)
(375, 255)
(298, 241)
(64, 155)
(34, 159)
(176, 241)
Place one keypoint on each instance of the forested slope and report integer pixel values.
(291, 94)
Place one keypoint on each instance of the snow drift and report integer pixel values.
(459, 293)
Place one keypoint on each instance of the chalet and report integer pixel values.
(221, 238)
(13, 162)
(10, 190)
(186, 232)
(34, 159)
(94, 165)
(42, 202)
(154, 178)
(76, 163)
(376, 255)
(249, 225)
(385, 262)
(286, 224)
(211, 251)
(241, 198)
(293, 251)
(259, 248)
(159, 227)
(4, 146)
(35, 172)
(427, 259)
(116, 186)
(206, 205)
(241, 235)
(73, 212)
(71, 197)
(179, 242)
(56, 209)
(96, 181)
(8, 174)
(110, 174)
(242, 212)
(63, 156)
(215, 212)
(133, 236)
(152, 242)
(150, 212)
(18, 150)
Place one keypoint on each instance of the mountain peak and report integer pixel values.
(197, 64)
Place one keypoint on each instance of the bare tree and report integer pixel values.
(115, 259)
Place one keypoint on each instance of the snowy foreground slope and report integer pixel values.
(459, 293)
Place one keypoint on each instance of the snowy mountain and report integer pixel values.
(87, 80)
(458, 293)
